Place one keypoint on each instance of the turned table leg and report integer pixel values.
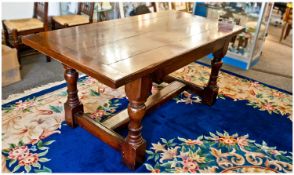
(73, 105)
(48, 59)
(133, 149)
(211, 90)
(16, 44)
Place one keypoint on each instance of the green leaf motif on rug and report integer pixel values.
(94, 93)
(62, 94)
(56, 109)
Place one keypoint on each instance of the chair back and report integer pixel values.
(41, 12)
(143, 9)
(86, 8)
(288, 15)
(153, 5)
(140, 10)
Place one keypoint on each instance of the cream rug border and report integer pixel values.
(28, 92)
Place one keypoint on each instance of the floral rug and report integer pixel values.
(249, 129)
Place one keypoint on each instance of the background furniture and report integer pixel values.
(281, 6)
(20, 27)
(287, 22)
(10, 66)
(84, 16)
(182, 6)
(103, 9)
(143, 9)
(130, 8)
(246, 49)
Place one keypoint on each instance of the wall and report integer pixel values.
(16, 10)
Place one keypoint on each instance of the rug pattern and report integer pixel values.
(217, 153)
(256, 94)
(26, 124)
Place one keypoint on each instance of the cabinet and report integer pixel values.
(245, 49)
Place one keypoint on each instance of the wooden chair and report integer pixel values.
(143, 9)
(101, 11)
(288, 22)
(153, 6)
(181, 6)
(20, 27)
(84, 16)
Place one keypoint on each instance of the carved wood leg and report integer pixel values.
(6, 34)
(48, 59)
(283, 32)
(16, 44)
(288, 29)
(73, 105)
(210, 92)
(133, 149)
(53, 25)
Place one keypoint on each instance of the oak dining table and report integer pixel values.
(134, 52)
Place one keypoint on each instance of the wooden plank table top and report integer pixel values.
(119, 51)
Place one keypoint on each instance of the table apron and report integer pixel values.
(182, 60)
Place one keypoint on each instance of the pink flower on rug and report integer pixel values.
(268, 107)
(18, 152)
(187, 78)
(169, 154)
(254, 84)
(24, 105)
(155, 171)
(110, 92)
(29, 159)
(190, 166)
(193, 142)
(227, 140)
(278, 94)
(187, 94)
(101, 89)
(242, 141)
(97, 114)
(45, 112)
(275, 152)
